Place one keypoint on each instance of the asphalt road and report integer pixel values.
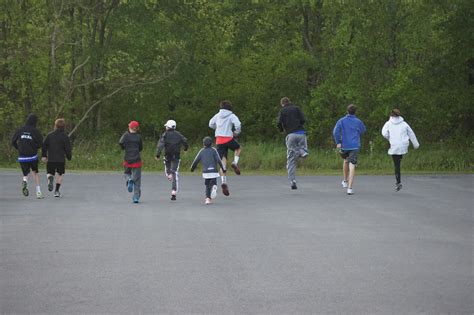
(265, 249)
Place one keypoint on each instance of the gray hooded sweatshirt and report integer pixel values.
(209, 158)
(223, 122)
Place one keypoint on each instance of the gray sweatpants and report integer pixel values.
(296, 146)
(172, 168)
(135, 174)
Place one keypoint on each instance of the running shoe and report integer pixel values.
(344, 184)
(350, 191)
(24, 188)
(173, 195)
(39, 195)
(235, 167)
(57, 194)
(398, 186)
(225, 189)
(50, 183)
(130, 185)
(214, 192)
(208, 201)
(293, 185)
(135, 199)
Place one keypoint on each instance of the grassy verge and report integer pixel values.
(270, 158)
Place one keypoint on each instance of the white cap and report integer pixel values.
(171, 124)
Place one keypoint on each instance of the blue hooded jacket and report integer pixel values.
(347, 132)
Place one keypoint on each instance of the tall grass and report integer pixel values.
(271, 157)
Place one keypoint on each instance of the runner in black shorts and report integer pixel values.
(56, 147)
(226, 125)
(223, 149)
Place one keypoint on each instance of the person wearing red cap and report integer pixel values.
(132, 143)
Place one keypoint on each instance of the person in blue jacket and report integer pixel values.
(347, 134)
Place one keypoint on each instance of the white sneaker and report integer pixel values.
(208, 201)
(350, 191)
(214, 192)
(344, 184)
(39, 195)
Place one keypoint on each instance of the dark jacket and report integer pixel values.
(291, 119)
(171, 141)
(56, 146)
(210, 159)
(133, 145)
(27, 140)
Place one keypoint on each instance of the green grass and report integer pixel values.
(270, 158)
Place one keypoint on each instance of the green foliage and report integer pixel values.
(103, 63)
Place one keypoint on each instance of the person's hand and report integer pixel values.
(338, 146)
(44, 159)
(157, 158)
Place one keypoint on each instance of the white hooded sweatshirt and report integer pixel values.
(399, 133)
(223, 122)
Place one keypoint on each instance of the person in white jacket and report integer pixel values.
(227, 126)
(399, 134)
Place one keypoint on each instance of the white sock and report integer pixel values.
(38, 189)
(25, 178)
(223, 179)
(236, 159)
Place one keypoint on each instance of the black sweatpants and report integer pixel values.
(209, 182)
(397, 160)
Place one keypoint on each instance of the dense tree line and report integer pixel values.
(101, 63)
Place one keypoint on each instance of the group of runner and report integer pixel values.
(56, 148)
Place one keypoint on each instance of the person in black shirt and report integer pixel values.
(27, 140)
(291, 121)
(171, 141)
(132, 143)
(56, 148)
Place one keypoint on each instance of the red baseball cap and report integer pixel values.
(133, 124)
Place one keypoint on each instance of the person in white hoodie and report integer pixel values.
(399, 134)
(227, 126)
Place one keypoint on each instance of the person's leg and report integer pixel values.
(345, 170)
(34, 169)
(137, 179)
(235, 146)
(352, 160)
(25, 169)
(213, 184)
(352, 168)
(174, 167)
(50, 169)
(223, 150)
(208, 184)
(128, 178)
(396, 163)
(303, 146)
(291, 159)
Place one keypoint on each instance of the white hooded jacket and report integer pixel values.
(399, 134)
(223, 122)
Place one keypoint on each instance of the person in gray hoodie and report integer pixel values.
(210, 159)
(227, 126)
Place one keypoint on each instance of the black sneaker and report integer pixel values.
(173, 197)
(293, 185)
(398, 186)
(50, 183)
(24, 188)
(225, 189)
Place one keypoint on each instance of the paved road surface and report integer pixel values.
(264, 249)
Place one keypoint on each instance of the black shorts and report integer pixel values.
(56, 167)
(223, 149)
(350, 155)
(26, 166)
